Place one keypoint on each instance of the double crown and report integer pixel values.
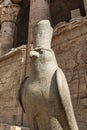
(42, 34)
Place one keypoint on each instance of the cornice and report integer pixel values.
(13, 52)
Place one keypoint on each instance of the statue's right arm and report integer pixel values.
(20, 92)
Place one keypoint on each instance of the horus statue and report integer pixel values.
(44, 95)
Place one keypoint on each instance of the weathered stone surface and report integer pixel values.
(10, 127)
(85, 5)
(12, 69)
(75, 13)
(70, 46)
(21, 27)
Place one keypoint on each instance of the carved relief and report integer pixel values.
(80, 70)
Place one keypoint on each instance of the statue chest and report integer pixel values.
(42, 97)
(41, 93)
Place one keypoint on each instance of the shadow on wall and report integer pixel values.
(61, 10)
(22, 28)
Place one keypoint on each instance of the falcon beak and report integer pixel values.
(34, 54)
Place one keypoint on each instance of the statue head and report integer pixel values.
(42, 55)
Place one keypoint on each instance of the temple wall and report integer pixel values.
(70, 46)
(12, 68)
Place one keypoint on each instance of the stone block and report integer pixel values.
(75, 13)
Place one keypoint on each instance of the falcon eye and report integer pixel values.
(41, 51)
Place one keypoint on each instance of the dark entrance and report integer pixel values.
(22, 28)
(60, 9)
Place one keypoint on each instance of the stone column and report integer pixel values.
(85, 5)
(8, 18)
(39, 10)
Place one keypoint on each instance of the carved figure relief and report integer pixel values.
(80, 71)
(45, 95)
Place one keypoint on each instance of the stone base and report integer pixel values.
(10, 127)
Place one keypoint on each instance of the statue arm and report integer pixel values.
(20, 92)
(63, 90)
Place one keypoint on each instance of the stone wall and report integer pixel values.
(12, 68)
(70, 46)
